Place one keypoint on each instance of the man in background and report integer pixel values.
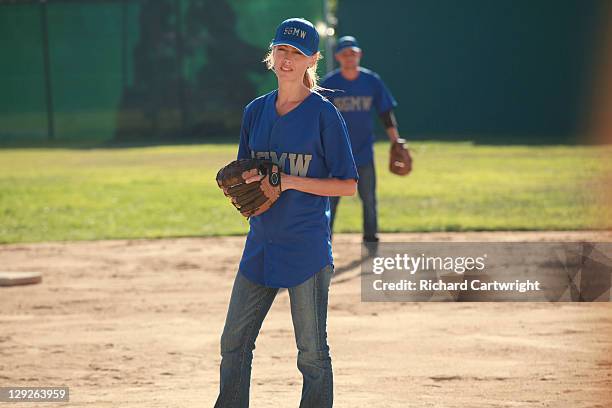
(356, 91)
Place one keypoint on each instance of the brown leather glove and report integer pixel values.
(400, 162)
(252, 198)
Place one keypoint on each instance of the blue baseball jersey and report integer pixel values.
(291, 241)
(356, 99)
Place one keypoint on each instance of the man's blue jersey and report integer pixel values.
(356, 99)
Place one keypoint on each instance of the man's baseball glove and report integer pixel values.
(400, 162)
(252, 198)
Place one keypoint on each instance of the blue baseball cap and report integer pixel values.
(298, 33)
(347, 42)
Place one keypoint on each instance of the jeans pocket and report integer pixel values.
(328, 273)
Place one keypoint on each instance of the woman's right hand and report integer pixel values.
(254, 179)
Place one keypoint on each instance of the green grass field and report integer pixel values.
(79, 194)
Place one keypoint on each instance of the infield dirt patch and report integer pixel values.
(136, 323)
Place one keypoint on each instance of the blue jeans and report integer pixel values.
(366, 187)
(249, 304)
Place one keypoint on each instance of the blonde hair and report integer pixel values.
(311, 78)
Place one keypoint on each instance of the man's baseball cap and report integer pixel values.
(298, 33)
(347, 42)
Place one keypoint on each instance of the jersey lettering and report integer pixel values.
(279, 162)
(353, 103)
(298, 162)
(260, 155)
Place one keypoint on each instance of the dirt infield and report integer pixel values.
(137, 323)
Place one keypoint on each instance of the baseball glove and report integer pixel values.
(252, 198)
(400, 162)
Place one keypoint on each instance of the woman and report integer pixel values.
(289, 245)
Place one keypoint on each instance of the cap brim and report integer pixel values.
(352, 47)
(294, 45)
